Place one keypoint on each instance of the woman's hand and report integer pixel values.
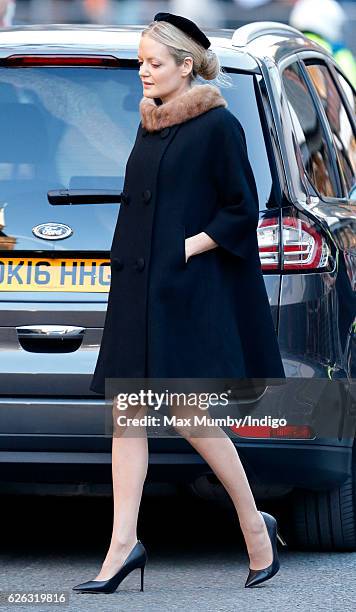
(188, 248)
(198, 244)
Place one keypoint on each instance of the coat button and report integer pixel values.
(146, 195)
(125, 198)
(117, 263)
(139, 264)
(165, 132)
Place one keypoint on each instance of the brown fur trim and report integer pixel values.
(197, 100)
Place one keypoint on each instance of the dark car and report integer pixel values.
(69, 111)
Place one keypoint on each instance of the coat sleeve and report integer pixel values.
(234, 225)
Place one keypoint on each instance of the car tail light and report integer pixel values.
(268, 243)
(296, 432)
(304, 247)
(59, 60)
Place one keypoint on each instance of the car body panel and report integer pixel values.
(47, 412)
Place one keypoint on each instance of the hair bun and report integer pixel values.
(209, 68)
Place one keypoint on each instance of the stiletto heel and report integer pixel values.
(256, 576)
(136, 559)
(142, 570)
(282, 541)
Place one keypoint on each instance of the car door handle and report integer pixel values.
(61, 332)
(61, 197)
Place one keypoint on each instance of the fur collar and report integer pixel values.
(197, 100)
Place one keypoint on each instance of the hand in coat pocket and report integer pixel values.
(188, 248)
(185, 252)
(197, 245)
(188, 252)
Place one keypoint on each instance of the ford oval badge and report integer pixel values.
(52, 231)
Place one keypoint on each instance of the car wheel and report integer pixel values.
(323, 520)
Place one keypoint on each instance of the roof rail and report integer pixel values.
(246, 33)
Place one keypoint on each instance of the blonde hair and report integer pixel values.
(205, 61)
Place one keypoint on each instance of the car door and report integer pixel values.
(326, 293)
(337, 100)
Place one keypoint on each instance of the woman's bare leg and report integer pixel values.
(218, 450)
(129, 469)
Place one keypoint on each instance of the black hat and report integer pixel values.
(186, 25)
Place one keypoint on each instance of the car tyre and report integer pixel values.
(323, 520)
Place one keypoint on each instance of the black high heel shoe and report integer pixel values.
(137, 558)
(256, 576)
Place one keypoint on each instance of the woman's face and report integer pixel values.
(160, 75)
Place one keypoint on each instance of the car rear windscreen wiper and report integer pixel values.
(63, 197)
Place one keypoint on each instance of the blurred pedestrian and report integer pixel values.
(7, 12)
(99, 11)
(323, 21)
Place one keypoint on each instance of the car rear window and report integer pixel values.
(73, 128)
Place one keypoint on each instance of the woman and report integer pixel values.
(187, 296)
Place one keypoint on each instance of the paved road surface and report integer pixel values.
(197, 560)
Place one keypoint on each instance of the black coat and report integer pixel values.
(209, 317)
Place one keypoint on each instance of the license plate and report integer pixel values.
(42, 274)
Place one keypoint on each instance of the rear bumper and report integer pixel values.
(59, 440)
(277, 466)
